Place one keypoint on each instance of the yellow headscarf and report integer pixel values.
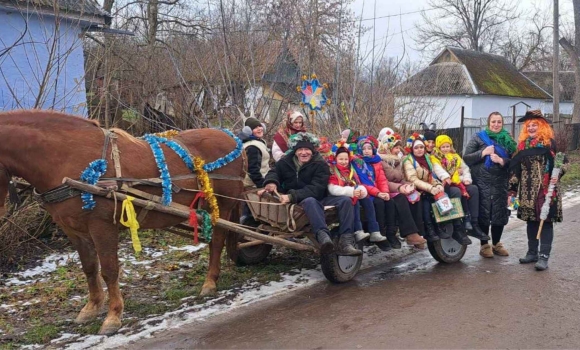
(450, 161)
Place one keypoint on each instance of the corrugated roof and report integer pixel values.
(546, 82)
(76, 7)
(446, 78)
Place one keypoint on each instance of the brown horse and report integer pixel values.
(43, 147)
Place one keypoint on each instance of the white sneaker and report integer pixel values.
(377, 237)
(360, 235)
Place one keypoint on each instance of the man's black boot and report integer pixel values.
(323, 239)
(346, 245)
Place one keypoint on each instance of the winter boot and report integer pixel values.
(415, 239)
(542, 263)
(500, 250)
(459, 233)
(476, 232)
(392, 238)
(468, 222)
(529, 258)
(346, 245)
(384, 246)
(468, 225)
(444, 230)
(486, 251)
(430, 234)
(323, 239)
(361, 235)
(377, 237)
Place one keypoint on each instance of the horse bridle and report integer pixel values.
(13, 196)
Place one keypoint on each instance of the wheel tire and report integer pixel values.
(253, 255)
(447, 250)
(340, 268)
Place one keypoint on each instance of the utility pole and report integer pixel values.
(370, 110)
(556, 68)
(337, 68)
(356, 68)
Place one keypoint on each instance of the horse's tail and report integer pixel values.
(232, 237)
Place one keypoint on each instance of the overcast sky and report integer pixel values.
(389, 29)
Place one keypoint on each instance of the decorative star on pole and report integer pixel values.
(313, 93)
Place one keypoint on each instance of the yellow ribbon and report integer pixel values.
(131, 222)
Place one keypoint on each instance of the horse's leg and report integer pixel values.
(106, 237)
(90, 262)
(215, 251)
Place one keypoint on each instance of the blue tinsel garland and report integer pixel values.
(183, 154)
(154, 142)
(165, 177)
(91, 175)
(228, 158)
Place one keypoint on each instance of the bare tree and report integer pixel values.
(526, 43)
(313, 25)
(468, 24)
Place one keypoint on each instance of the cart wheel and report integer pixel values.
(447, 250)
(340, 268)
(253, 255)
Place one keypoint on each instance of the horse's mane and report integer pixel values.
(125, 134)
(44, 118)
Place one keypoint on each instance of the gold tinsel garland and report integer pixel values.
(205, 184)
(169, 134)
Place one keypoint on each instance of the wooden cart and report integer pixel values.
(283, 225)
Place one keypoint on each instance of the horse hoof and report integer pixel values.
(207, 291)
(86, 316)
(110, 327)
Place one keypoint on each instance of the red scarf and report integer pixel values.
(423, 162)
(284, 132)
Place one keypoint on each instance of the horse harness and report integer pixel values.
(64, 192)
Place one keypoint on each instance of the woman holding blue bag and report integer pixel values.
(488, 156)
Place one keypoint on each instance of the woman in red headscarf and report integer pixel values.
(294, 124)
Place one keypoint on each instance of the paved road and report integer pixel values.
(417, 303)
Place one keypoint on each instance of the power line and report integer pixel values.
(269, 27)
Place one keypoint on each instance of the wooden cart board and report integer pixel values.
(456, 213)
(276, 215)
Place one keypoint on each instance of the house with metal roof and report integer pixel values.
(465, 82)
(41, 53)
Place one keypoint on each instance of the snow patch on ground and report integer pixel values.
(250, 293)
(48, 265)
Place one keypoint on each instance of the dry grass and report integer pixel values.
(26, 232)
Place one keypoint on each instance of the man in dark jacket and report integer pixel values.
(302, 175)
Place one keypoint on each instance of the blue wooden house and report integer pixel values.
(41, 53)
